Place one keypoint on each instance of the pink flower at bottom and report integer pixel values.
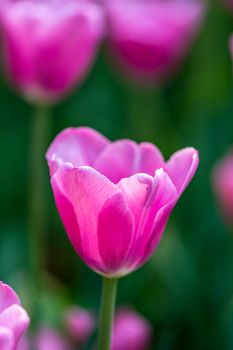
(223, 186)
(80, 324)
(131, 331)
(24, 344)
(14, 320)
(49, 339)
(115, 198)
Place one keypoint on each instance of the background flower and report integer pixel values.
(80, 324)
(131, 331)
(49, 45)
(149, 39)
(223, 186)
(13, 318)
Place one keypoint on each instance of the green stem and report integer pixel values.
(40, 134)
(107, 313)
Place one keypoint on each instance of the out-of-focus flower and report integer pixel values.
(229, 3)
(49, 45)
(231, 45)
(131, 331)
(149, 39)
(115, 198)
(13, 318)
(49, 339)
(24, 344)
(80, 324)
(223, 186)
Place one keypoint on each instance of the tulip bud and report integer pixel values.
(148, 39)
(49, 45)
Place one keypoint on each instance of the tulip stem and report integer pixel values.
(40, 133)
(107, 311)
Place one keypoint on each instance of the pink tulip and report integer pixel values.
(115, 198)
(49, 45)
(49, 339)
(231, 45)
(131, 331)
(223, 186)
(13, 318)
(24, 344)
(229, 3)
(80, 324)
(148, 39)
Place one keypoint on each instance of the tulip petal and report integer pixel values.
(62, 68)
(125, 158)
(147, 197)
(16, 319)
(7, 297)
(88, 191)
(67, 214)
(49, 45)
(6, 339)
(115, 230)
(78, 146)
(181, 167)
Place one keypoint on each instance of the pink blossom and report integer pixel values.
(223, 186)
(149, 39)
(229, 3)
(24, 344)
(49, 45)
(49, 339)
(80, 324)
(231, 45)
(131, 331)
(115, 198)
(13, 318)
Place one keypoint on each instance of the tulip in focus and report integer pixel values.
(115, 198)
(223, 186)
(14, 320)
(80, 324)
(49, 45)
(149, 39)
(131, 331)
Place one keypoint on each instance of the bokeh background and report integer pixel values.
(186, 290)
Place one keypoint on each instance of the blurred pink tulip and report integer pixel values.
(49, 339)
(13, 319)
(115, 198)
(229, 3)
(80, 324)
(24, 344)
(223, 186)
(148, 39)
(49, 45)
(131, 331)
(231, 45)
